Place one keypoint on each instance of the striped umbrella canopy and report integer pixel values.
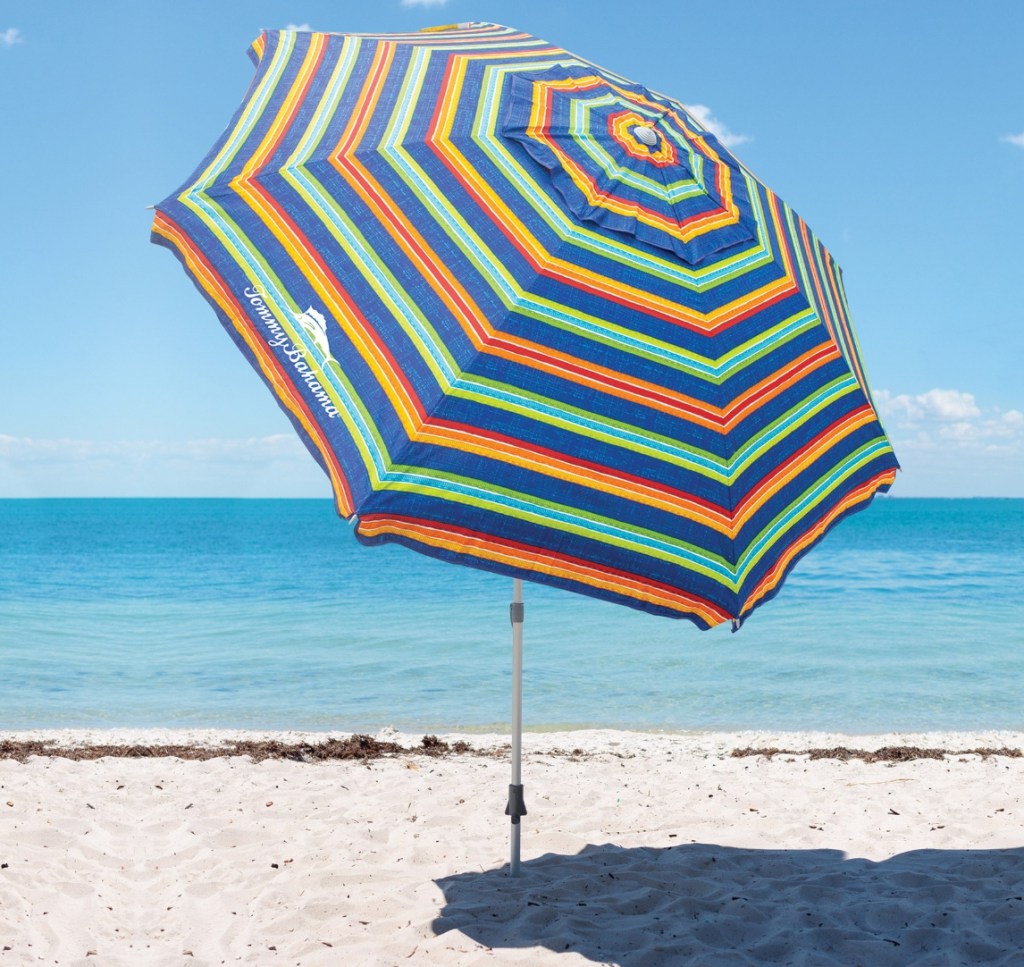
(532, 317)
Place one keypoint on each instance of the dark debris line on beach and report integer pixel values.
(364, 748)
(356, 747)
(889, 753)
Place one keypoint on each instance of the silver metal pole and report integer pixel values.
(516, 806)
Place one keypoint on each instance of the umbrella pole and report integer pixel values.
(516, 806)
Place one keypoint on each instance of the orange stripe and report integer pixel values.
(778, 570)
(581, 472)
(843, 321)
(214, 285)
(825, 314)
(288, 109)
(545, 264)
(459, 302)
(771, 386)
(259, 46)
(539, 560)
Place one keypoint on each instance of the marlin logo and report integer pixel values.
(315, 325)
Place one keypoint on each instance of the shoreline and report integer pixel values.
(638, 849)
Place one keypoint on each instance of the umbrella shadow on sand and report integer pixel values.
(707, 904)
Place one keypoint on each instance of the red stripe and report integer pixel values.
(817, 530)
(344, 159)
(823, 309)
(352, 310)
(240, 319)
(695, 604)
(545, 270)
(669, 493)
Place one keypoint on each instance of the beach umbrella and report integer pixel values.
(532, 317)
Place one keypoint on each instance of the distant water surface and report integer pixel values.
(268, 614)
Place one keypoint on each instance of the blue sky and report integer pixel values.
(895, 129)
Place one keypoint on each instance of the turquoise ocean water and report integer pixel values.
(268, 614)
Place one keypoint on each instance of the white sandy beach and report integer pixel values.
(651, 850)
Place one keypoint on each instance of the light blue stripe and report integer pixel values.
(779, 430)
(401, 305)
(562, 519)
(675, 272)
(810, 500)
(253, 112)
(516, 301)
(595, 150)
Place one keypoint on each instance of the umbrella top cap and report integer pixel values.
(628, 160)
(646, 135)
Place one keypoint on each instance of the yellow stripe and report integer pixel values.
(545, 260)
(211, 284)
(286, 112)
(781, 566)
(580, 572)
(729, 216)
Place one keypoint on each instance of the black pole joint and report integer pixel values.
(516, 804)
(517, 611)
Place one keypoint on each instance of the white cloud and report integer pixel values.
(936, 404)
(298, 27)
(949, 444)
(704, 116)
(10, 37)
(424, 3)
(1017, 139)
(948, 416)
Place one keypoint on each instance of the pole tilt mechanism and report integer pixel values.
(516, 807)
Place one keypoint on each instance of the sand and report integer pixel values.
(645, 850)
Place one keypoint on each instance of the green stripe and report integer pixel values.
(254, 109)
(811, 499)
(488, 496)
